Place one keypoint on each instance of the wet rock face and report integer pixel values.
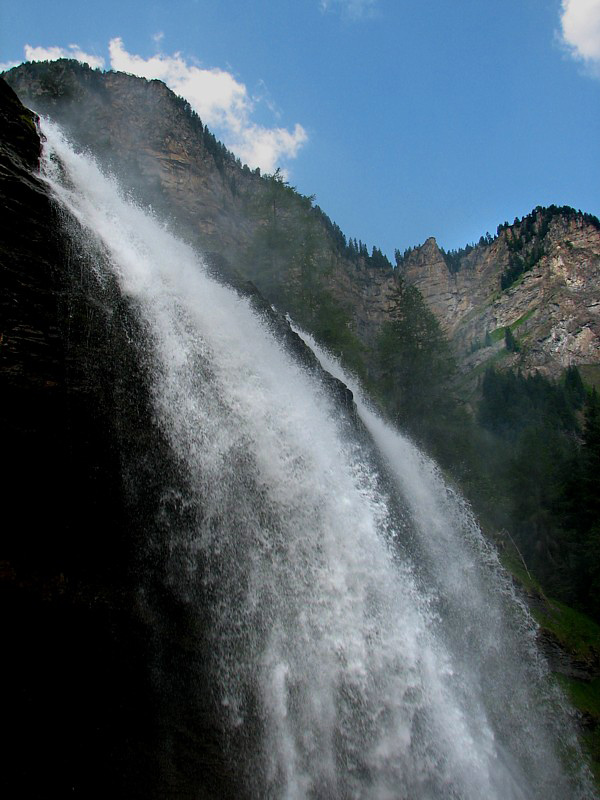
(73, 647)
(91, 639)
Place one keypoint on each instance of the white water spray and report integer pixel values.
(365, 644)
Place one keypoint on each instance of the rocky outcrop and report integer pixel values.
(153, 142)
(145, 134)
(552, 308)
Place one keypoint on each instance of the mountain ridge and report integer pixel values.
(285, 244)
(538, 277)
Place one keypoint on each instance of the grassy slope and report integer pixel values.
(579, 637)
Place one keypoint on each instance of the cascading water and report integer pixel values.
(362, 639)
(482, 621)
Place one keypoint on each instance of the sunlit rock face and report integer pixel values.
(553, 309)
(139, 129)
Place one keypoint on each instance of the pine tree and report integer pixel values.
(413, 359)
(510, 342)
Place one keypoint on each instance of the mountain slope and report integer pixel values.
(300, 260)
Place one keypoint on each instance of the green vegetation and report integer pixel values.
(506, 333)
(291, 258)
(453, 258)
(585, 697)
(519, 265)
(412, 362)
(523, 319)
(510, 342)
(544, 466)
(499, 355)
(497, 334)
(413, 375)
(579, 638)
(534, 478)
(590, 374)
(576, 632)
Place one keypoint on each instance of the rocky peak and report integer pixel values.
(539, 277)
(150, 138)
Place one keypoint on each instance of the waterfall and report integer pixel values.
(362, 640)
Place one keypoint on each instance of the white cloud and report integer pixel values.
(354, 9)
(221, 101)
(215, 94)
(580, 22)
(261, 145)
(53, 53)
(6, 65)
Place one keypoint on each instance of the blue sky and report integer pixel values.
(405, 118)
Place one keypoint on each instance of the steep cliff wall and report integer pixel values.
(88, 711)
(140, 130)
(257, 227)
(552, 307)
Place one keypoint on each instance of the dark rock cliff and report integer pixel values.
(94, 699)
(108, 694)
